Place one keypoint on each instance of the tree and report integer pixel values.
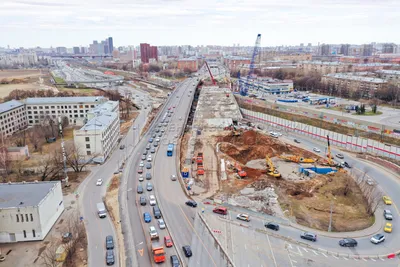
(35, 137)
(50, 167)
(279, 74)
(76, 159)
(49, 256)
(362, 109)
(5, 163)
(78, 240)
(154, 68)
(374, 109)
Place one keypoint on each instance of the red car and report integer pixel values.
(140, 170)
(168, 241)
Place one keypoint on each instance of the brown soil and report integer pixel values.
(308, 201)
(128, 122)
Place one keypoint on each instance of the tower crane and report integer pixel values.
(244, 87)
(209, 71)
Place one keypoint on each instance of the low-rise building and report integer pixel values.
(365, 85)
(29, 210)
(389, 75)
(100, 134)
(323, 68)
(12, 117)
(269, 85)
(235, 63)
(188, 63)
(40, 109)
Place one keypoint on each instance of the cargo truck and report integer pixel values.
(157, 249)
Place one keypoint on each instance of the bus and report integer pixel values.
(170, 150)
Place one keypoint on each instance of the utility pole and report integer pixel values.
(330, 218)
(63, 153)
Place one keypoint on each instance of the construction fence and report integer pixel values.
(356, 144)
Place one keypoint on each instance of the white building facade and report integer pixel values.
(100, 134)
(29, 210)
(40, 109)
(12, 117)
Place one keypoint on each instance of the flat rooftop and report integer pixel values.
(17, 195)
(9, 105)
(99, 123)
(355, 78)
(64, 100)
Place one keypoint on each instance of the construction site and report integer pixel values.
(233, 161)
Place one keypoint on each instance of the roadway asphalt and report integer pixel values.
(89, 194)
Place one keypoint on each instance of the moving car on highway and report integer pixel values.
(168, 241)
(348, 242)
(378, 238)
(187, 250)
(110, 259)
(388, 215)
(220, 210)
(149, 187)
(161, 223)
(272, 226)
(99, 182)
(309, 236)
(173, 177)
(191, 203)
(340, 156)
(387, 200)
(152, 200)
(146, 217)
(175, 261)
(109, 242)
(316, 149)
(243, 217)
(388, 227)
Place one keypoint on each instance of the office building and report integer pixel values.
(29, 210)
(388, 48)
(389, 75)
(40, 110)
(345, 49)
(61, 50)
(147, 52)
(100, 134)
(12, 117)
(76, 50)
(268, 85)
(110, 45)
(322, 68)
(367, 50)
(325, 50)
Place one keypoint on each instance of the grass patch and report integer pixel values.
(369, 113)
(79, 91)
(58, 79)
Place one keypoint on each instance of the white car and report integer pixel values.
(141, 178)
(141, 164)
(99, 182)
(173, 177)
(152, 200)
(153, 231)
(161, 223)
(157, 139)
(316, 149)
(243, 217)
(149, 158)
(378, 238)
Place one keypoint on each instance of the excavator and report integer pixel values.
(330, 157)
(271, 170)
(297, 159)
(240, 172)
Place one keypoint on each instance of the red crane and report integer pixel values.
(209, 71)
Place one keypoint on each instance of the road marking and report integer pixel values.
(381, 259)
(305, 249)
(324, 255)
(355, 259)
(345, 258)
(245, 246)
(272, 252)
(139, 243)
(141, 251)
(242, 229)
(373, 259)
(314, 252)
(290, 245)
(335, 256)
(301, 254)
(294, 261)
(364, 259)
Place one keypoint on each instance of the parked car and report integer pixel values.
(187, 250)
(99, 182)
(109, 242)
(66, 237)
(148, 176)
(147, 217)
(145, 152)
(154, 135)
(220, 210)
(168, 241)
(388, 215)
(139, 189)
(151, 140)
(152, 200)
(370, 181)
(141, 164)
(110, 259)
(191, 203)
(378, 238)
(348, 242)
(316, 149)
(161, 223)
(157, 212)
(140, 170)
(272, 226)
(309, 236)
(243, 217)
(149, 187)
(173, 177)
(387, 200)
(175, 261)
(155, 144)
(142, 200)
(340, 156)
(149, 158)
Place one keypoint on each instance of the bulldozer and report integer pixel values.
(271, 170)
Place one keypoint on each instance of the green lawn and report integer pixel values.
(58, 80)
(369, 113)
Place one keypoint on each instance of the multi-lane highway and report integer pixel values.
(90, 194)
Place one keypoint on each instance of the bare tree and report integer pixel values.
(35, 137)
(5, 163)
(49, 256)
(50, 166)
(76, 159)
(78, 240)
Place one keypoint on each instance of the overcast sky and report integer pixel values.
(46, 23)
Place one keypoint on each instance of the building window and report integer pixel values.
(26, 217)
(24, 234)
(17, 218)
(31, 217)
(22, 217)
(87, 145)
(87, 139)
(33, 232)
(88, 153)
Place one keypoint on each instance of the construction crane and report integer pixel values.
(209, 71)
(271, 170)
(245, 86)
(66, 180)
(330, 162)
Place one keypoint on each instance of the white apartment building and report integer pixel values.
(100, 134)
(12, 117)
(75, 109)
(29, 210)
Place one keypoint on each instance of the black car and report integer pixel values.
(175, 261)
(187, 250)
(347, 165)
(109, 242)
(148, 176)
(110, 260)
(348, 242)
(309, 236)
(271, 225)
(140, 189)
(143, 201)
(296, 141)
(122, 147)
(191, 203)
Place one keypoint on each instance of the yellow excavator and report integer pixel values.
(271, 170)
(297, 159)
(330, 157)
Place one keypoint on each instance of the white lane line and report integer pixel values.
(245, 246)
(324, 254)
(364, 259)
(314, 252)
(290, 246)
(305, 249)
(335, 256)
(373, 259)
(294, 261)
(345, 258)
(272, 252)
(301, 254)
(381, 259)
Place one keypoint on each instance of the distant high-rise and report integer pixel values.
(345, 49)
(76, 50)
(367, 50)
(110, 45)
(388, 48)
(325, 50)
(61, 50)
(147, 52)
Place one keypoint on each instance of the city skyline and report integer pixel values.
(207, 23)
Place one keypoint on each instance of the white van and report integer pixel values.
(101, 210)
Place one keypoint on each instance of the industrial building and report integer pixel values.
(29, 210)
(12, 117)
(40, 109)
(100, 134)
(235, 63)
(269, 85)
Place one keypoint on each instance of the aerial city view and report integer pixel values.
(200, 133)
